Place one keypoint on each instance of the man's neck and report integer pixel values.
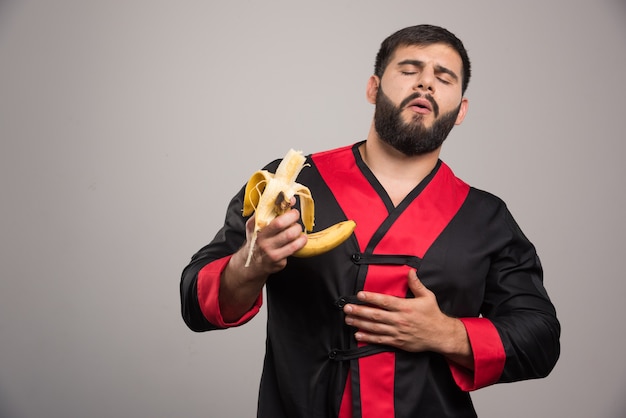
(396, 172)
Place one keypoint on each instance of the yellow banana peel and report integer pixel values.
(269, 195)
(326, 239)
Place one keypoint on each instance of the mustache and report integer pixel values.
(417, 95)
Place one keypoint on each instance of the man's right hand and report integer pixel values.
(275, 242)
(240, 286)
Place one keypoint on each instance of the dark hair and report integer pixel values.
(421, 35)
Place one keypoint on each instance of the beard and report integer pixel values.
(411, 138)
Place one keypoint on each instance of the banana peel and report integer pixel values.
(326, 239)
(269, 195)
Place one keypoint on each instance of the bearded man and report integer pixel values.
(437, 292)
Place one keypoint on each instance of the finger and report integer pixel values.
(290, 240)
(279, 224)
(250, 225)
(282, 244)
(279, 237)
(365, 336)
(288, 218)
(358, 315)
(415, 285)
(376, 332)
(380, 300)
(378, 326)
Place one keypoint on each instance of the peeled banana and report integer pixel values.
(268, 195)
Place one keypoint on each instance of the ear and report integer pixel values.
(462, 111)
(371, 91)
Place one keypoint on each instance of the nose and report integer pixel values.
(425, 80)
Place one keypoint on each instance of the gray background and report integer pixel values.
(126, 126)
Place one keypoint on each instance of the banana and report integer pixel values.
(268, 195)
(326, 239)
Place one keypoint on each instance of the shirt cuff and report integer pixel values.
(208, 295)
(488, 352)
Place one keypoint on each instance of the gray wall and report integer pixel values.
(126, 126)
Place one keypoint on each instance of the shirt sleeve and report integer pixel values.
(517, 305)
(488, 353)
(515, 333)
(199, 284)
(208, 295)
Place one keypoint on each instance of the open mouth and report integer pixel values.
(420, 106)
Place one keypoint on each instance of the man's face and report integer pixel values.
(419, 99)
(412, 138)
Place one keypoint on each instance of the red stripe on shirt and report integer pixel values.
(208, 295)
(488, 352)
(411, 234)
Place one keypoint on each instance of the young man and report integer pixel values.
(355, 332)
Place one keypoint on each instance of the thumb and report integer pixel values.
(250, 226)
(415, 285)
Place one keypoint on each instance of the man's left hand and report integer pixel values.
(414, 324)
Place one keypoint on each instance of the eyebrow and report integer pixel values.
(438, 68)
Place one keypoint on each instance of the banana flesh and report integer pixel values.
(269, 195)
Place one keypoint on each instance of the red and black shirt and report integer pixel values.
(467, 249)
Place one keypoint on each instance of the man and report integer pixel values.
(355, 332)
